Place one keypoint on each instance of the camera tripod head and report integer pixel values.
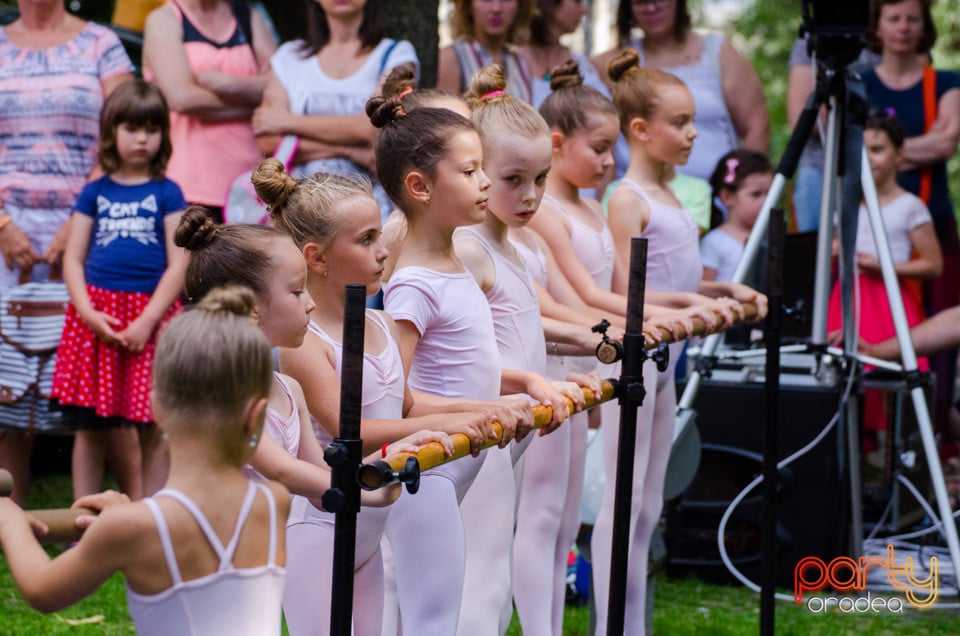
(836, 31)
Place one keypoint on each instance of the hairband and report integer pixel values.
(889, 111)
(406, 91)
(491, 94)
(731, 177)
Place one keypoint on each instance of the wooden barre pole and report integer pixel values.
(380, 473)
(61, 522)
(700, 328)
(431, 455)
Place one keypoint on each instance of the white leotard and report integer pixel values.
(228, 601)
(283, 429)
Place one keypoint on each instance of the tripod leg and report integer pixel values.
(828, 205)
(785, 170)
(909, 357)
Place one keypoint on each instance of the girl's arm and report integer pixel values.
(313, 367)
(164, 55)
(49, 584)
(743, 93)
(168, 289)
(628, 216)
(448, 71)
(927, 262)
(940, 142)
(74, 257)
(553, 228)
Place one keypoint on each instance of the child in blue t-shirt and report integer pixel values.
(124, 274)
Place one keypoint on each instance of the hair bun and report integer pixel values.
(272, 184)
(565, 75)
(624, 62)
(196, 229)
(229, 299)
(384, 110)
(486, 83)
(400, 80)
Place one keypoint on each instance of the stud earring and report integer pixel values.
(253, 441)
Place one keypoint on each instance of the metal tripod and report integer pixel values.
(843, 96)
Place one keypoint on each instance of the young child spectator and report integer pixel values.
(125, 275)
(740, 182)
(913, 246)
(205, 555)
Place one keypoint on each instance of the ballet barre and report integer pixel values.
(61, 522)
(406, 467)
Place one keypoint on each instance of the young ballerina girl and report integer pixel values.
(335, 224)
(740, 182)
(656, 116)
(268, 262)
(205, 554)
(516, 147)
(916, 255)
(124, 275)
(429, 161)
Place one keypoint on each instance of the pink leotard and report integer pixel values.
(382, 399)
(515, 308)
(457, 355)
(228, 601)
(673, 250)
(306, 598)
(283, 429)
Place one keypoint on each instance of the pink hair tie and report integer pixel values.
(491, 94)
(406, 91)
(731, 177)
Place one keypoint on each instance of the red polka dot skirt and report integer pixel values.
(107, 378)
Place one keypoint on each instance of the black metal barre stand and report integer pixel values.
(344, 455)
(775, 252)
(630, 393)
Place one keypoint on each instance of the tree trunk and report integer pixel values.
(414, 20)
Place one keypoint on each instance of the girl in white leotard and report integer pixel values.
(656, 115)
(211, 378)
(516, 144)
(584, 127)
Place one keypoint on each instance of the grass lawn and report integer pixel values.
(682, 606)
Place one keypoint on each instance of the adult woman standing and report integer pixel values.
(209, 57)
(55, 70)
(902, 31)
(319, 87)
(485, 32)
(731, 109)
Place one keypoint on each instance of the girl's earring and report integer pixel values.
(253, 441)
(427, 200)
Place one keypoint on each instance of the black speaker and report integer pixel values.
(813, 504)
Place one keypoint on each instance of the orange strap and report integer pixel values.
(929, 117)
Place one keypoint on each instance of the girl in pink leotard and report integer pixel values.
(656, 116)
(429, 161)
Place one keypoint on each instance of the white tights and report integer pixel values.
(655, 425)
(306, 593)
(488, 518)
(425, 531)
(548, 520)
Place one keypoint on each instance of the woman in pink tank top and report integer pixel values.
(210, 59)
